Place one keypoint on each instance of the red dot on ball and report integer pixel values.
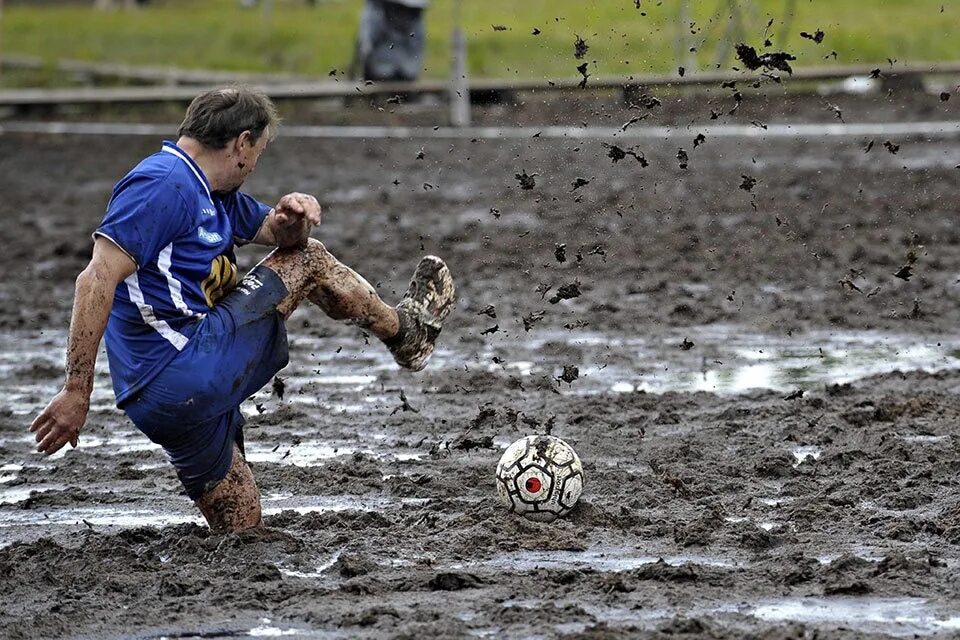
(533, 485)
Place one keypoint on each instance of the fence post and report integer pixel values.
(1, 38)
(459, 87)
(267, 14)
(685, 57)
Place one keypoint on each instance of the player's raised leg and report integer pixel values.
(312, 271)
(409, 330)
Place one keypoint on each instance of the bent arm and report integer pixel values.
(62, 419)
(92, 302)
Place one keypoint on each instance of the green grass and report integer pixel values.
(219, 34)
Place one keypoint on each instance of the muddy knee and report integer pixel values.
(300, 267)
(233, 504)
(319, 261)
(315, 248)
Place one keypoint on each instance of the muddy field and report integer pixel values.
(766, 408)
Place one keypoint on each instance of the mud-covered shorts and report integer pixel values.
(192, 408)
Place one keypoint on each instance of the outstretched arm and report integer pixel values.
(61, 421)
(289, 223)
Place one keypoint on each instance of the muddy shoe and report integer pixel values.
(428, 301)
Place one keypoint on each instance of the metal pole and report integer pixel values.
(267, 14)
(1, 37)
(459, 90)
(685, 58)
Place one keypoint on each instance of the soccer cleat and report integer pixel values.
(426, 304)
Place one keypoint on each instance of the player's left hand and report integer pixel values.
(60, 422)
(295, 207)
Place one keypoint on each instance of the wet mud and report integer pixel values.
(823, 502)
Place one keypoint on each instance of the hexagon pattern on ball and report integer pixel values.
(540, 477)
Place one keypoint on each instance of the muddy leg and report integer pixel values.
(234, 503)
(313, 272)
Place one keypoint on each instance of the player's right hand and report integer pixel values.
(294, 207)
(61, 421)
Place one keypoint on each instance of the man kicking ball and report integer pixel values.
(186, 343)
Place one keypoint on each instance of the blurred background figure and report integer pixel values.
(390, 41)
(109, 4)
(252, 3)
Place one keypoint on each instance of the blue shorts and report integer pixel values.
(192, 408)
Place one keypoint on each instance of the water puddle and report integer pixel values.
(13, 495)
(329, 371)
(323, 504)
(892, 616)
(318, 571)
(265, 628)
(775, 502)
(727, 360)
(600, 559)
(267, 631)
(15, 524)
(312, 453)
(924, 439)
(804, 453)
(766, 526)
(308, 453)
(117, 516)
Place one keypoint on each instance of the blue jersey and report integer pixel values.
(181, 236)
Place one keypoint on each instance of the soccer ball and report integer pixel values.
(540, 477)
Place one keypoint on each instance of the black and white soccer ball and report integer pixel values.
(540, 477)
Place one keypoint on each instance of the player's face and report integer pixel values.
(248, 153)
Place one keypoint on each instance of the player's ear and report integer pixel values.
(244, 139)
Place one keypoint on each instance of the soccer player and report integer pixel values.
(390, 40)
(186, 343)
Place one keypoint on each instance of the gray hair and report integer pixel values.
(216, 117)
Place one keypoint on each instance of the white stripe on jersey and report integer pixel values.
(192, 168)
(174, 337)
(176, 291)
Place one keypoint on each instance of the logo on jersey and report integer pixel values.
(221, 281)
(207, 211)
(211, 237)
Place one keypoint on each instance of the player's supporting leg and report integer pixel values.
(233, 504)
(410, 330)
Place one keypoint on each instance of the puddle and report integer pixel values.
(318, 572)
(890, 616)
(329, 371)
(803, 453)
(266, 631)
(321, 504)
(727, 360)
(13, 495)
(360, 381)
(924, 439)
(893, 616)
(600, 559)
(775, 502)
(15, 524)
(312, 453)
(308, 453)
(96, 516)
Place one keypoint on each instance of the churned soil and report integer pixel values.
(703, 516)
